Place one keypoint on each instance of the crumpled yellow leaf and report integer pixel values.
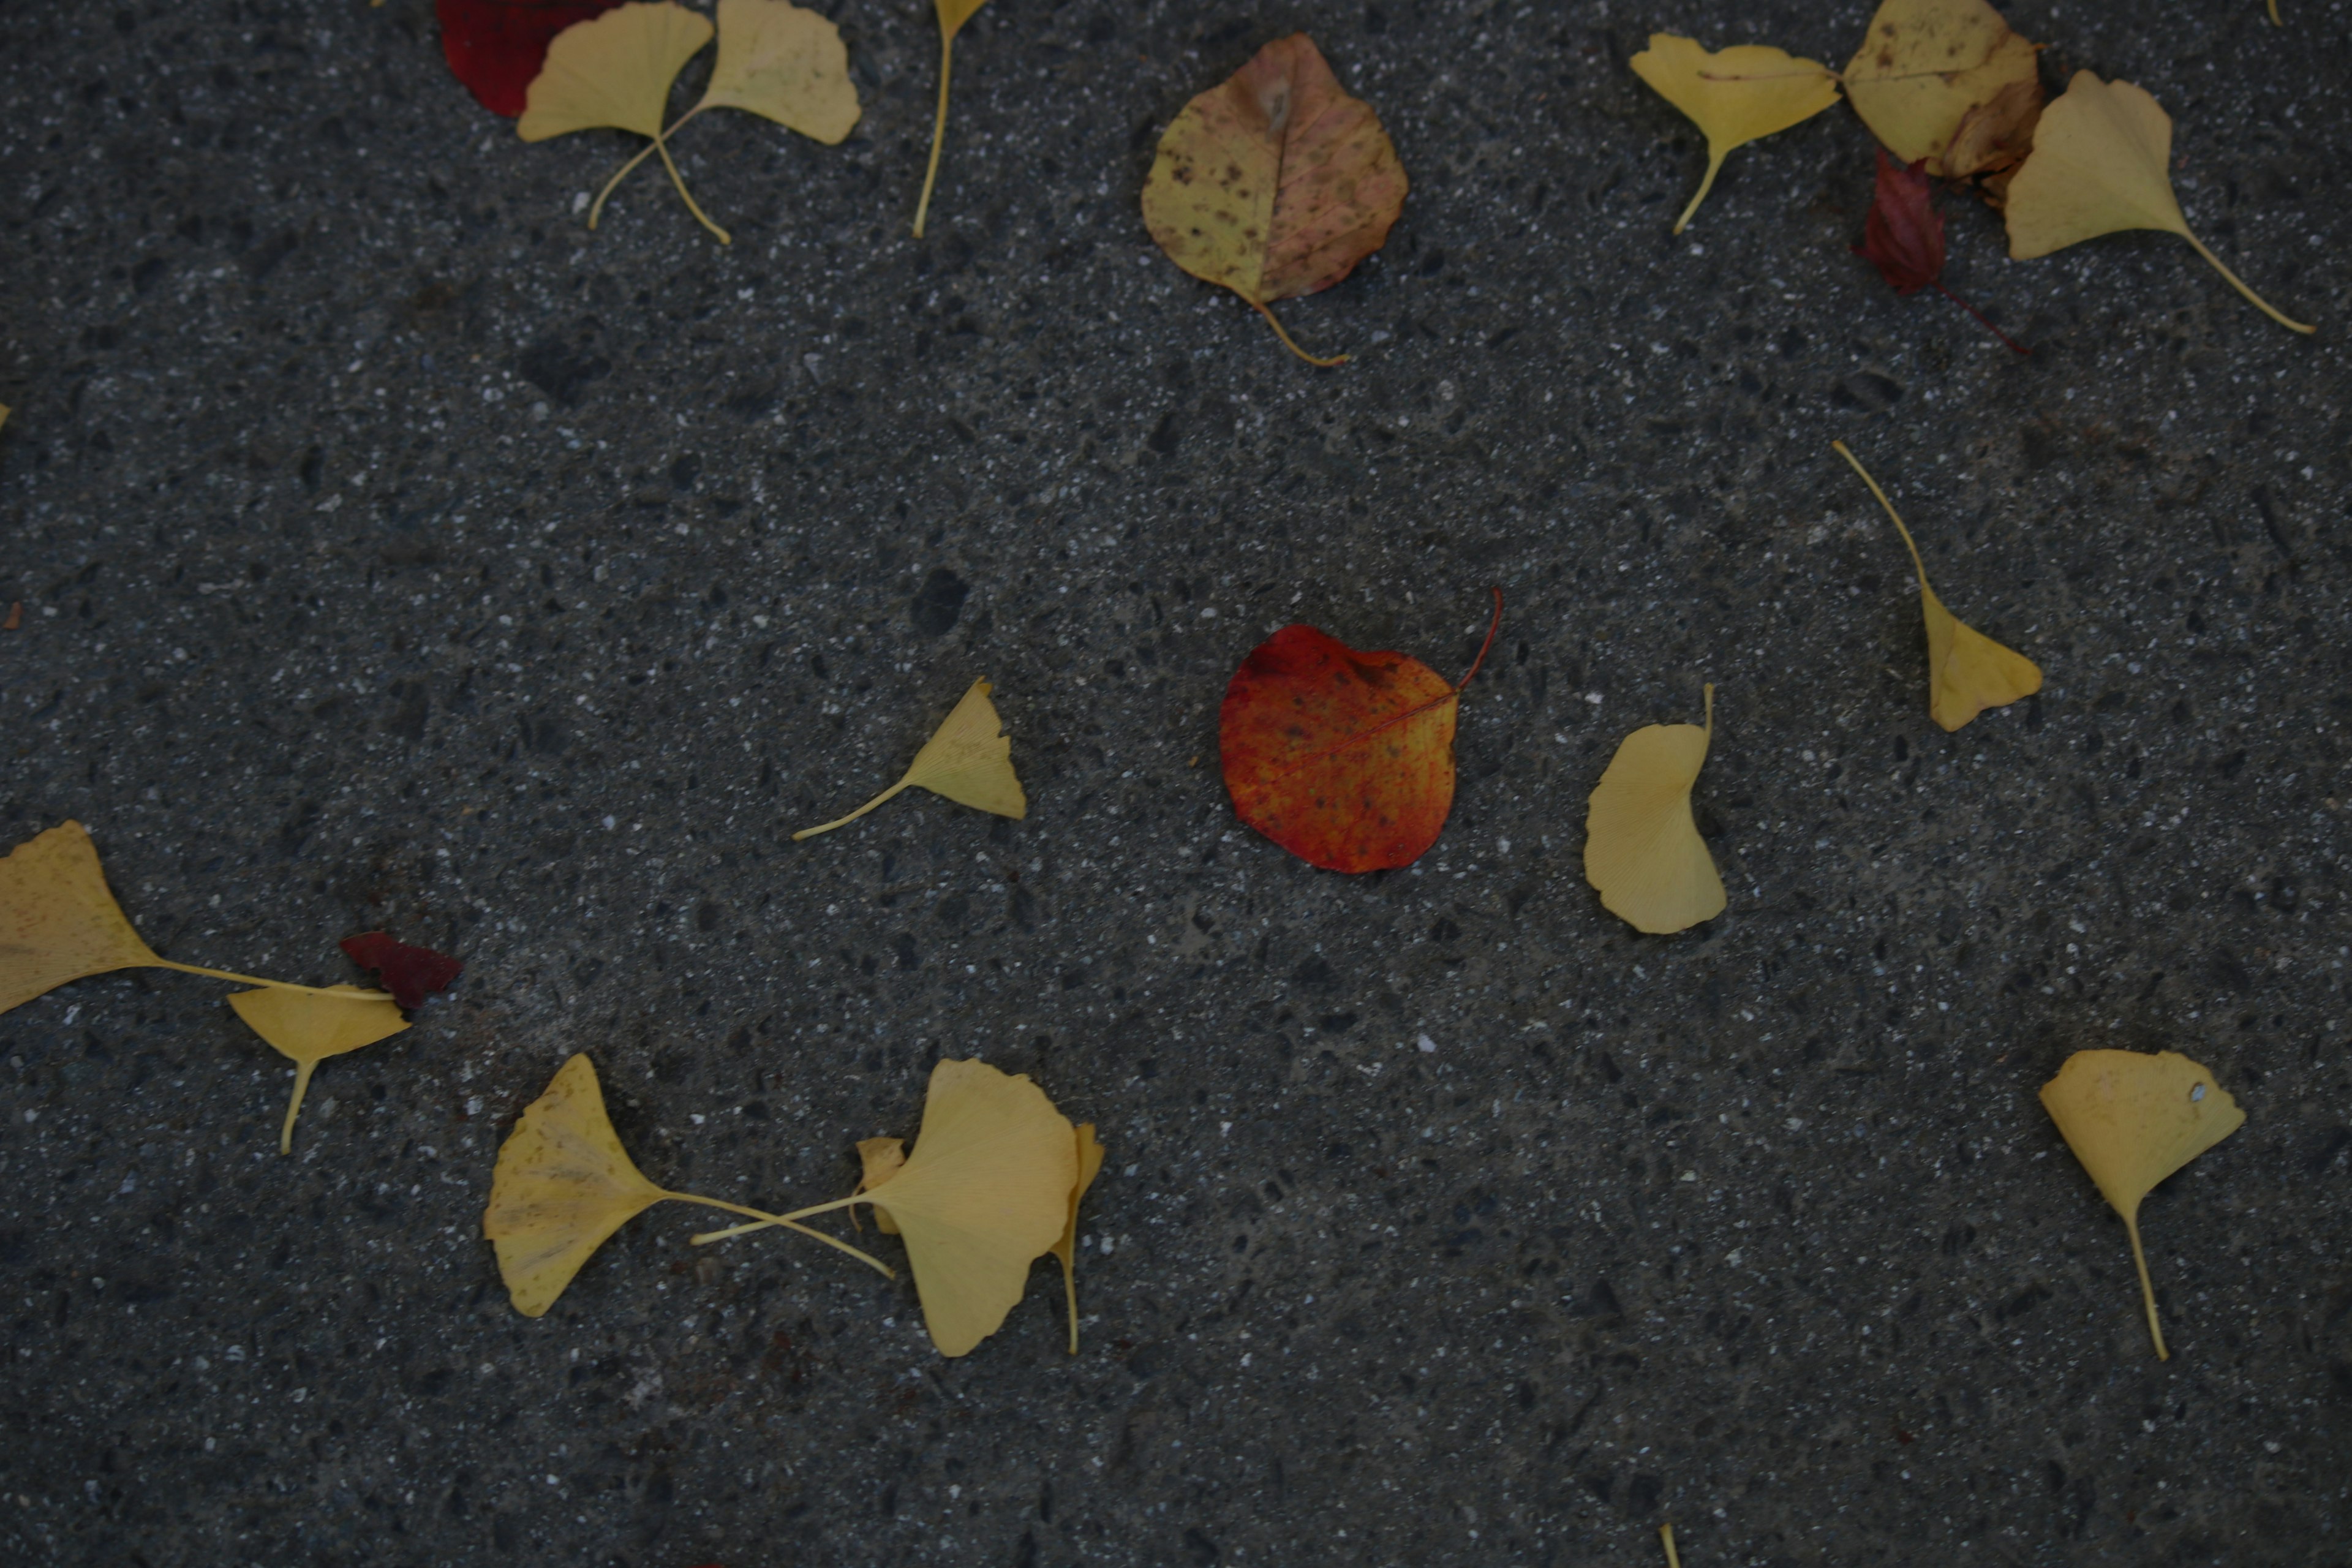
(1641, 847)
(881, 1157)
(787, 64)
(614, 71)
(1968, 672)
(2101, 161)
(58, 920)
(565, 1184)
(1947, 81)
(1734, 95)
(308, 1027)
(1090, 1159)
(953, 15)
(2133, 1119)
(968, 759)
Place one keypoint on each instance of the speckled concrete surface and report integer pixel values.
(393, 553)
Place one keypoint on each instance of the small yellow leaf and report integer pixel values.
(985, 1194)
(882, 1157)
(2100, 163)
(968, 760)
(58, 920)
(1927, 67)
(1968, 672)
(615, 70)
(1735, 95)
(1641, 847)
(1090, 1159)
(778, 60)
(953, 15)
(308, 1026)
(2132, 1121)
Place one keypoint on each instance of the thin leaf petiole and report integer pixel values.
(2147, 1290)
(1293, 348)
(302, 1071)
(644, 152)
(765, 1220)
(845, 821)
(1714, 158)
(939, 131)
(342, 994)
(679, 180)
(2240, 285)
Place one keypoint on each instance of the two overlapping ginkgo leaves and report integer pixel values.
(614, 71)
(59, 922)
(993, 1185)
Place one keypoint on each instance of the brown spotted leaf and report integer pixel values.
(1275, 183)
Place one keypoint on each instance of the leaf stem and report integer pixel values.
(938, 129)
(302, 1071)
(1706, 700)
(1917, 564)
(1070, 1294)
(1714, 156)
(2275, 16)
(339, 993)
(1666, 1535)
(845, 821)
(644, 152)
(2240, 285)
(679, 180)
(1293, 348)
(1493, 627)
(1980, 316)
(2147, 1290)
(766, 1219)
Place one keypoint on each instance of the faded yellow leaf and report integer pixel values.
(2133, 1119)
(615, 71)
(1927, 68)
(1641, 847)
(968, 760)
(2101, 161)
(58, 920)
(1090, 1159)
(953, 15)
(787, 64)
(1968, 672)
(563, 1185)
(308, 1027)
(1734, 95)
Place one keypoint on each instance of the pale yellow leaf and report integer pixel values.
(1734, 96)
(613, 70)
(2101, 163)
(58, 920)
(1641, 847)
(1927, 67)
(968, 760)
(2133, 1119)
(308, 1027)
(788, 63)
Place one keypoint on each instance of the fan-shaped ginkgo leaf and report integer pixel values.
(1968, 672)
(1642, 845)
(565, 1184)
(1090, 1159)
(985, 1194)
(308, 1027)
(2133, 1119)
(1734, 96)
(1945, 82)
(968, 759)
(615, 72)
(58, 919)
(2101, 162)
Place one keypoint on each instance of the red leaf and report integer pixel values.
(1903, 234)
(410, 973)
(495, 46)
(1345, 758)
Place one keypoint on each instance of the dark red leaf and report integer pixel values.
(410, 973)
(495, 46)
(1903, 234)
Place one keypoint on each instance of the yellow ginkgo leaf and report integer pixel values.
(953, 15)
(2101, 161)
(307, 1028)
(565, 1184)
(1734, 96)
(1090, 1159)
(58, 920)
(1928, 66)
(2132, 1121)
(614, 71)
(986, 1193)
(881, 1158)
(968, 760)
(1968, 672)
(1641, 847)
(790, 64)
